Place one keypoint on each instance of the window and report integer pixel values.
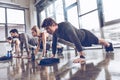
(91, 22)
(111, 9)
(19, 27)
(42, 16)
(2, 24)
(111, 14)
(2, 15)
(87, 5)
(69, 2)
(112, 33)
(15, 20)
(59, 11)
(50, 11)
(73, 16)
(15, 16)
(2, 32)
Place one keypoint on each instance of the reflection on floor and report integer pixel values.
(99, 66)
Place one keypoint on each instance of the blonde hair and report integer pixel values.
(36, 29)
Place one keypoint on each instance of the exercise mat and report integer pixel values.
(49, 61)
(3, 58)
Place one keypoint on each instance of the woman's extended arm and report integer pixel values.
(44, 42)
(17, 46)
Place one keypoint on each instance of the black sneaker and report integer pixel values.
(82, 57)
(60, 50)
(110, 48)
(49, 61)
(3, 58)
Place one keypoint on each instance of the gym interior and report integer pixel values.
(101, 17)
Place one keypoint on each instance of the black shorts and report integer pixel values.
(89, 39)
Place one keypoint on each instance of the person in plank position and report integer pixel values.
(25, 41)
(42, 40)
(79, 37)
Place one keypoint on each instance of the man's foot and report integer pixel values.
(110, 48)
(79, 60)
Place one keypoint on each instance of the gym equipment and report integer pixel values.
(7, 57)
(3, 58)
(49, 61)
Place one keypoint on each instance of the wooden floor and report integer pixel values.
(99, 66)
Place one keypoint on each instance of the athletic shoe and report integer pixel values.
(82, 57)
(60, 50)
(110, 48)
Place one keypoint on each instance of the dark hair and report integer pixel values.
(9, 38)
(48, 22)
(13, 31)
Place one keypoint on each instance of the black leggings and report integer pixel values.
(90, 39)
